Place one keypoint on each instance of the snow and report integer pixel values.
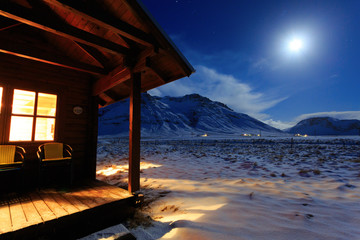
(114, 232)
(247, 188)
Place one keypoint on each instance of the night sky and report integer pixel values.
(241, 53)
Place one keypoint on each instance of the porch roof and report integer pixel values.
(107, 39)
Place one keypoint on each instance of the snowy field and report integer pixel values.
(249, 188)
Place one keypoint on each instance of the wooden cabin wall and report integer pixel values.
(73, 89)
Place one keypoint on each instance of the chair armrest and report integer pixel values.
(68, 152)
(68, 147)
(22, 149)
(21, 152)
(40, 153)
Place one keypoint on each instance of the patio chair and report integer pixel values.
(11, 167)
(52, 155)
(11, 157)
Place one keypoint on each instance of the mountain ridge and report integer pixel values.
(326, 126)
(191, 114)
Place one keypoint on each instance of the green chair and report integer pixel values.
(52, 155)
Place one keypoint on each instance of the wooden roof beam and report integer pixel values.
(153, 69)
(115, 77)
(113, 95)
(2, 28)
(31, 52)
(6, 23)
(94, 53)
(122, 73)
(37, 20)
(104, 20)
(105, 99)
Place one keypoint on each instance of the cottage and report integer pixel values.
(61, 60)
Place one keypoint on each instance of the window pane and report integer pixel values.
(44, 129)
(24, 102)
(1, 90)
(21, 128)
(46, 104)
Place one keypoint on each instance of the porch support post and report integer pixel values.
(134, 133)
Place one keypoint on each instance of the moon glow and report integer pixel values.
(295, 45)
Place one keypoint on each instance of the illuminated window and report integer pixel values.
(24, 102)
(44, 129)
(46, 105)
(21, 128)
(33, 116)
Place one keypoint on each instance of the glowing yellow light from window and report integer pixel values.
(21, 128)
(24, 102)
(46, 104)
(44, 129)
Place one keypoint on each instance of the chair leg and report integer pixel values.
(71, 174)
(40, 177)
(22, 178)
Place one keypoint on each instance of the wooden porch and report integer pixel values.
(63, 213)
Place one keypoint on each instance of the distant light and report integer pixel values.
(295, 45)
(299, 135)
(204, 135)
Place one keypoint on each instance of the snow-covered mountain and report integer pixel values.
(180, 116)
(326, 126)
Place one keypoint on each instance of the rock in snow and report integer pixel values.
(180, 116)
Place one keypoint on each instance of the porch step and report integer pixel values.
(117, 232)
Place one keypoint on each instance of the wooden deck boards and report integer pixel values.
(27, 210)
(5, 218)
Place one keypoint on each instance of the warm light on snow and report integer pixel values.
(183, 217)
(171, 234)
(223, 189)
(147, 165)
(124, 168)
(113, 170)
(207, 208)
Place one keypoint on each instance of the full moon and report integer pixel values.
(295, 45)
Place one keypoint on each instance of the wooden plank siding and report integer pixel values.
(73, 89)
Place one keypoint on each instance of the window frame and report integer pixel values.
(2, 114)
(6, 113)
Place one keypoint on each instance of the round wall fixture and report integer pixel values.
(78, 110)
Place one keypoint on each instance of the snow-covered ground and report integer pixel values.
(249, 188)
